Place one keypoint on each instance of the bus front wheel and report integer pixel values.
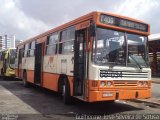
(66, 92)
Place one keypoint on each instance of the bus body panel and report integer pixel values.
(30, 75)
(119, 94)
(65, 64)
(50, 81)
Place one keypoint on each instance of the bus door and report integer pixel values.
(38, 63)
(79, 63)
(20, 55)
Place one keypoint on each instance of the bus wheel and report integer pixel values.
(25, 83)
(66, 92)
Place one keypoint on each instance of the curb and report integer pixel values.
(154, 81)
(148, 101)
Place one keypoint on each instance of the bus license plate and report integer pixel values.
(108, 94)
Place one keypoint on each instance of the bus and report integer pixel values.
(96, 57)
(154, 54)
(7, 62)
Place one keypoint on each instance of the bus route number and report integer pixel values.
(112, 74)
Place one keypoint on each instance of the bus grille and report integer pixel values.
(131, 74)
(119, 83)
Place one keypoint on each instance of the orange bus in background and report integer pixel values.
(97, 57)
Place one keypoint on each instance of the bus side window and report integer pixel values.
(67, 41)
(52, 44)
(32, 49)
(26, 50)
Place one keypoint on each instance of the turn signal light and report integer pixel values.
(143, 84)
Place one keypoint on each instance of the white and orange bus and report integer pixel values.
(97, 57)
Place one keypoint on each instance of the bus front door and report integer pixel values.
(79, 63)
(38, 64)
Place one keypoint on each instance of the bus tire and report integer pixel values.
(25, 83)
(66, 92)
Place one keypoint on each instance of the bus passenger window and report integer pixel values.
(31, 53)
(67, 47)
(52, 43)
(26, 50)
(67, 41)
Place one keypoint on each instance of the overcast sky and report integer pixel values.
(27, 18)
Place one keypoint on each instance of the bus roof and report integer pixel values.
(93, 15)
(153, 37)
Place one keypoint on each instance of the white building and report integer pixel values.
(7, 42)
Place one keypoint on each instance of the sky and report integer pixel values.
(27, 18)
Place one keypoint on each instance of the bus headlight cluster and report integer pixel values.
(105, 84)
(109, 83)
(142, 83)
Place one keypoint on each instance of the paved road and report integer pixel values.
(38, 104)
(156, 91)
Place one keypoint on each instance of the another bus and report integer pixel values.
(154, 54)
(7, 62)
(97, 57)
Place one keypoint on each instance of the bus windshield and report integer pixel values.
(12, 57)
(112, 48)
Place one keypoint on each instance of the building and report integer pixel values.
(7, 42)
(154, 54)
(0, 42)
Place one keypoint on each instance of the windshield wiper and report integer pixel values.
(131, 56)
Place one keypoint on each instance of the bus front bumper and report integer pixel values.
(95, 96)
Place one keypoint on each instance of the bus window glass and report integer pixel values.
(68, 34)
(12, 57)
(32, 49)
(26, 49)
(109, 48)
(67, 47)
(51, 49)
(53, 39)
(137, 50)
(68, 37)
(52, 42)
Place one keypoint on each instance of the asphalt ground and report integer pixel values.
(156, 80)
(36, 103)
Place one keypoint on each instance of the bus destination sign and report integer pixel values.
(120, 22)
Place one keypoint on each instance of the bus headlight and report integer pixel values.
(109, 83)
(102, 84)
